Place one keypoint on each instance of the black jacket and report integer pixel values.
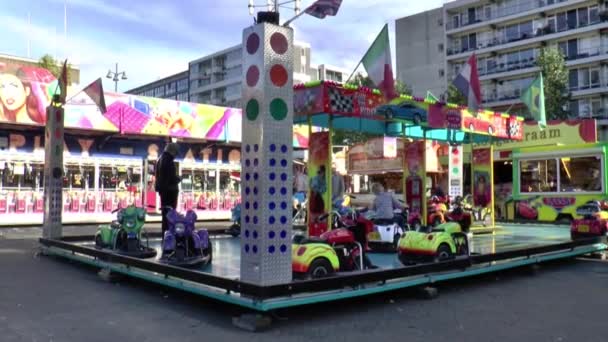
(166, 174)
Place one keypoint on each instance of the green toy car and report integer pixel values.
(124, 235)
(443, 242)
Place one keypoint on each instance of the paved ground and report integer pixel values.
(47, 299)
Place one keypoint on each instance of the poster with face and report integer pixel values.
(482, 177)
(25, 92)
(319, 173)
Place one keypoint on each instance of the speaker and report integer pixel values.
(268, 17)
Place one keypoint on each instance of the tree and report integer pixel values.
(555, 78)
(49, 63)
(455, 96)
(365, 81)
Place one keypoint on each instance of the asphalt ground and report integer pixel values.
(50, 299)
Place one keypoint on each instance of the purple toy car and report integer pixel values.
(183, 245)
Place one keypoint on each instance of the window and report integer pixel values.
(440, 47)
(583, 17)
(571, 19)
(182, 97)
(594, 77)
(580, 174)
(525, 29)
(583, 78)
(551, 24)
(573, 79)
(594, 15)
(562, 23)
(182, 84)
(538, 175)
(512, 32)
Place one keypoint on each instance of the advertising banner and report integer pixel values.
(332, 98)
(26, 91)
(414, 173)
(319, 173)
(483, 192)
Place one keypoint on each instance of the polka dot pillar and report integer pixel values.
(267, 154)
(53, 173)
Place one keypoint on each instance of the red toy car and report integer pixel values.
(594, 221)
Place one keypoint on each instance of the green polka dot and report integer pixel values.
(252, 109)
(278, 109)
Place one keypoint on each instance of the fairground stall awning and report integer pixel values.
(353, 108)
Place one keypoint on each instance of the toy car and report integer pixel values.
(124, 235)
(437, 209)
(335, 250)
(594, 221)
(183, 245)
(403, 111)
(438, 243)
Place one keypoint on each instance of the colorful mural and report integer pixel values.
(26, 91)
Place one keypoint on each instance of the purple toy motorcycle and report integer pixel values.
(183, 245)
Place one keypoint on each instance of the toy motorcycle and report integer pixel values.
(124, 235)
(594, 221)
(386, 233)
(437, 209)
(336, 250)
(183, 245)
(438, 243)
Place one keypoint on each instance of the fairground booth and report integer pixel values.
(109, 158)
(413, 133)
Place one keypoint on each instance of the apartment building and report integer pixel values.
(174, 87)
(507, 37)
(216, 78)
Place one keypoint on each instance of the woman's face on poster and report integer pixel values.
(12, 92)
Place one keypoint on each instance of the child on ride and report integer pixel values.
(385, 204)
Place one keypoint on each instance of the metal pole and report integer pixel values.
(116, 79)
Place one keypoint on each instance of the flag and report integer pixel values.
(95, 92)
(467, 82)
(534, 99)
(322, 8)
(63, 83)
(430, 96)
(377, 63)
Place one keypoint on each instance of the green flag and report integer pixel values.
(430, 96)
(534, 98)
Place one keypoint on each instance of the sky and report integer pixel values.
(151, 39)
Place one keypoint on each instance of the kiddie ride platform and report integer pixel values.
(507, 248)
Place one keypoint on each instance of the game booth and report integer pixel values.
(269, 267)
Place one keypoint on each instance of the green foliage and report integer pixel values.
(555, 78)
(349, 138)
(365, 81)
(455, 96)
(403, 88)
(51, 64)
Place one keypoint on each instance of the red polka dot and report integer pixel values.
(278, 42)
(253, 43)
(253, 75)
(57, 133)
(58, 116)
(278, 75)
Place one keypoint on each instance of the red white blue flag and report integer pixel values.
(322, 8)
(467, 82)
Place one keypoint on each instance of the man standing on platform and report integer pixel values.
(167, 182)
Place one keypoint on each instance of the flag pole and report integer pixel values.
(295, 17)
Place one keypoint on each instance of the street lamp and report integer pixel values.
(114, 75)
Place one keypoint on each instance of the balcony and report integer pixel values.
(457, 51)
(491, 15)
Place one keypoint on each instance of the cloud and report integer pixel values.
(101, 7)
(144, 63)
